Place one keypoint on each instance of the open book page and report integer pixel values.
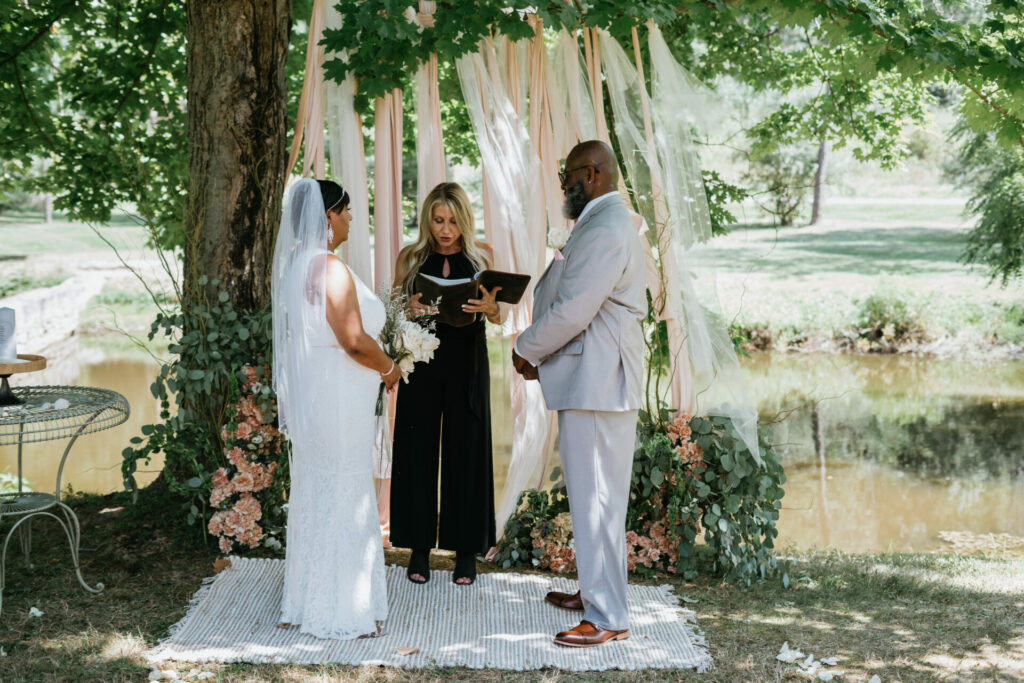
(444, 282)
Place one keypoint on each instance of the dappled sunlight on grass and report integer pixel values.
(902, 616)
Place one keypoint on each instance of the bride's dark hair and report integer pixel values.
(335, 198)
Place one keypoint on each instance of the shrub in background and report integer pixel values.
(784, 176)
(887, 321)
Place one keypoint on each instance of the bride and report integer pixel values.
(327, 367)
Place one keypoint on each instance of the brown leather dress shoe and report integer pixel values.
(571, 601)
(588, 635)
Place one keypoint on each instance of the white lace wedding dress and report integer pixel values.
(334, 565)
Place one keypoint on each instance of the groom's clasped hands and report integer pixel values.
(524, 367)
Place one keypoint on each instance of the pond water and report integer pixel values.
(907, 447)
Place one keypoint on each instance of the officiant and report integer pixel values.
(444, 411)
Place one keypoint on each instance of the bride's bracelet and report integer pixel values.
(385, 374)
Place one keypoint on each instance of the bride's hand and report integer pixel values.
(391, 379)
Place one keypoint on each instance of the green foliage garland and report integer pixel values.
(201, 379)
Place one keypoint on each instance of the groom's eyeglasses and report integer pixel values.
(564, 175)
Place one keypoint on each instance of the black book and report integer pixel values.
(451, 295)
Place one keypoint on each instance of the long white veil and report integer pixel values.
(298, 299)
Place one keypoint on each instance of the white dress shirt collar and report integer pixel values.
(594, 202)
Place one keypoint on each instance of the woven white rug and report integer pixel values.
(500, 622)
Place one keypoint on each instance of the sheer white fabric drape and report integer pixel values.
(430, 163)
(517, 233)
(348, 163)
(572, 111)
(667, 182)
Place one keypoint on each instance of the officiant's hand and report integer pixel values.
(486, 305)
(418, 308)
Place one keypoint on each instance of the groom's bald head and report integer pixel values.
(598, 169)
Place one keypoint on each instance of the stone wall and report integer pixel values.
(50, 315)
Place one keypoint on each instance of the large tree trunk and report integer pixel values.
(819, 181)
(237, 100)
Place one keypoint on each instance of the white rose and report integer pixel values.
(406, 365)
(419, 342)
(558, 235)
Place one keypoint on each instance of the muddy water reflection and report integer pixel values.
(909, 447)
(94, 464)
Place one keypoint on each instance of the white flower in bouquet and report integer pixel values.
(406, 341)
(558, 236)
(420, 344)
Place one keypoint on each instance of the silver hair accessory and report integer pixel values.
(339, 199)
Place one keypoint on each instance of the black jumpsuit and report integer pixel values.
(446, 403)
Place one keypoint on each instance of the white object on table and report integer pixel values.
(8, 347)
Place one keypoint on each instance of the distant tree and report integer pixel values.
(994, 175)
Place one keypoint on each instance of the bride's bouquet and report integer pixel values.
(406, 340)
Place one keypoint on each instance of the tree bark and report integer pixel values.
(47, 198)
(819, 180)
(237, 146)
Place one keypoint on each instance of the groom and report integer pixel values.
(586, 347)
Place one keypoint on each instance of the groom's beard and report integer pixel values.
(575, 201)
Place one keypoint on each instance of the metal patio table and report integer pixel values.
(88, 410)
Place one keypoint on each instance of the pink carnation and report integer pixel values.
(244, 430)
(225, 544)
(220, 478)
(235, 456)
(218, 495)
(249, 506)
(243, 481)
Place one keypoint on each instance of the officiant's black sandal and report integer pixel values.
(465, 568)
(419, 563)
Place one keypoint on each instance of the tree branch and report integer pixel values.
(28, 105)
(988, 100)
(58, 15)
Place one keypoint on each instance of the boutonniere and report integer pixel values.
(558, 235)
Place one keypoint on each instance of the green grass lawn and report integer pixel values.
(811, 281)
(24, 233)
(904, 617)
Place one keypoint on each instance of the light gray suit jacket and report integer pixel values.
(586, 339)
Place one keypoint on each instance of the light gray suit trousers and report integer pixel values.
(588, 347)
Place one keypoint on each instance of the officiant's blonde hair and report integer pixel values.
(455, 198)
